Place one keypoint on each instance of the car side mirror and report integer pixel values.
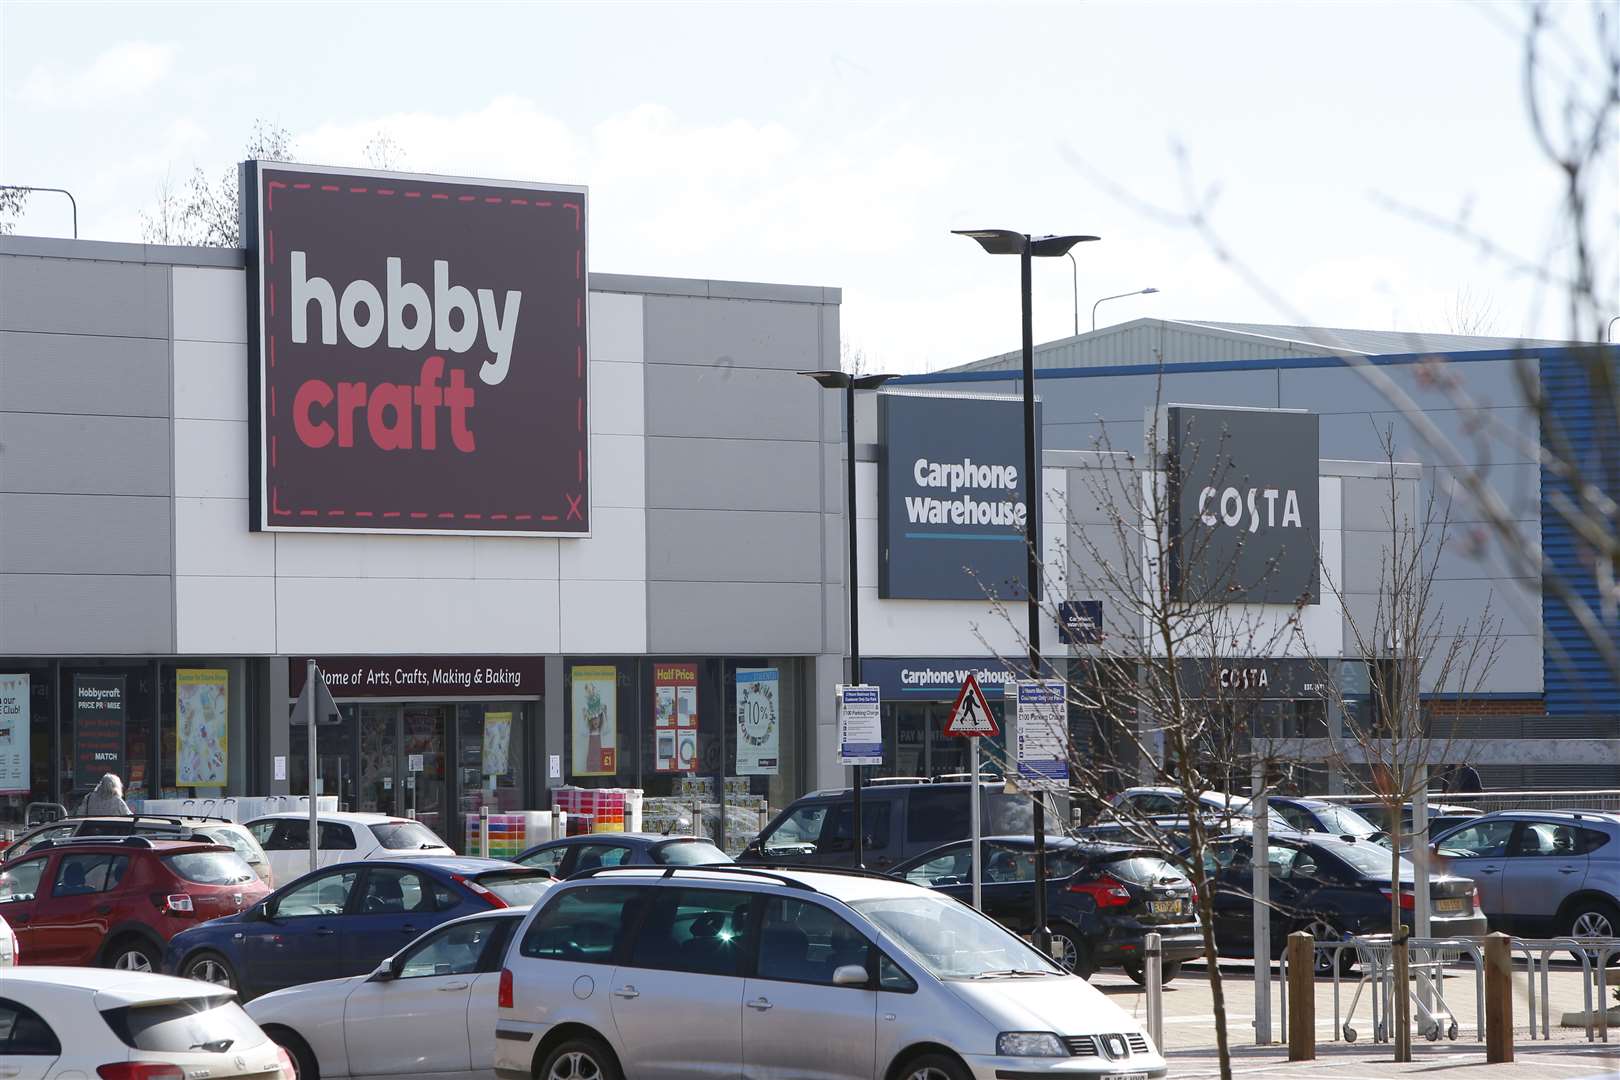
(386, 972)
(851, 975)
(266, 911)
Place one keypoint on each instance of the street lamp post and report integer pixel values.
(1027, 248)
(839, 380)
(72, 202)
(1149, 291)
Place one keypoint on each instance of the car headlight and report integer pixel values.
(1030, 1044)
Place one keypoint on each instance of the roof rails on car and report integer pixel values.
(70, 841)
(715, 868)
(847, 871)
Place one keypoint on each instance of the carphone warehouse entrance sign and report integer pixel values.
(952, 496)
(420, 353)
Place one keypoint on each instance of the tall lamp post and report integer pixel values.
(1149, 291)
(841, 380)
(1028, 248)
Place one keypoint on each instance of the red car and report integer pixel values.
(116, 902)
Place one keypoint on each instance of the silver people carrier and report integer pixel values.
(648, 973)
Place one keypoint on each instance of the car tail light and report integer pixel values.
(288, 1069)
(504, 997)
(139, 1070)
(478, 890)
(1105, 892)
(1408, 900)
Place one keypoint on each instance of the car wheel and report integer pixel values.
(934, 1067)
(580, 1059)
(1168, 970)
(210, 968)
(1069, 949)
(132, 954)
(1593, 918)
(297, 1049)
(1326, 933)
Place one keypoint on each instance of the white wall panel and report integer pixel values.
(618, 471)
(516, 557)
(210, 381)
(382, 615)
(604, 616)
(618, 399)
(617, 328)
(616, 550)
(211, 537)
(215, 614)
(210, 305)
(211, 459)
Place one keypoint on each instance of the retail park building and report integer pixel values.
(651, 587)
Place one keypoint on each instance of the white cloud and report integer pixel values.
(122, 72)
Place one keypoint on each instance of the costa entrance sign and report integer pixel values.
(419, 353)
(971, 716)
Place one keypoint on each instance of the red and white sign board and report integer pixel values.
(971, 716)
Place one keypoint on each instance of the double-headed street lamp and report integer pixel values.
(1027, 248)
(841, 380)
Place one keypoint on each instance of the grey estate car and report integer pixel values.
(650, 972)
(1540, 873)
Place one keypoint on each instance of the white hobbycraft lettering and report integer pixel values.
(1231, 506)
(453, 316)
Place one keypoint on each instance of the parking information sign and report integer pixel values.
(1043, 731)
(860, 726)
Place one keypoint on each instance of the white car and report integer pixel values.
(1169, 802)
(344, 838)
(429, 1009)
(150, 1027)
(8, 945)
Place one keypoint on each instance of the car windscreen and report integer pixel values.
(406, 836)
(1345, 821)
(689, 853)
(1140, 869)
(210, 867)
(245, 848)
(952, 940)
(1009, 815)
(516, 888)
(213, 1025)
(1369, 860)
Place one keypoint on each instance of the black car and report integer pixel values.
(1329, 887)
(1100, 898)
(569, 854)
(1321, 816)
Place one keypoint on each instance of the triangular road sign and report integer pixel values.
(971, 716)
(315, 696)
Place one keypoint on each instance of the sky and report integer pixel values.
(828, 144)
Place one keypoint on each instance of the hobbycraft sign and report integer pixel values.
(420, 353)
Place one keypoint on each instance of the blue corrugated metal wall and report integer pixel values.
(1577, 680)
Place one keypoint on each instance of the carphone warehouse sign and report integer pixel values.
(1244, 505)
(953, 498)
(420, 353)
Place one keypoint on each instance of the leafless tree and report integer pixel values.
(12, 201)
(852, 358)
(204, 214)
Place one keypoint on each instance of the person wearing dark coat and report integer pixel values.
(1466, 780)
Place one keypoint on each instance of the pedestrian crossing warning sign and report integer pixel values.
(971, 716)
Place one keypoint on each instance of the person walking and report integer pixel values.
(1467, 780)
(106, 799)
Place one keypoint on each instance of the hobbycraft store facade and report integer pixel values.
(539, 526)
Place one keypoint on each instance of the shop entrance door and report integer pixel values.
(392, 739)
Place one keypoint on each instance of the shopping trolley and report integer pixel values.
(1375, 955)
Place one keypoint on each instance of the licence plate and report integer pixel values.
(1164, 907)
(1123, 1076)
(1450, 906)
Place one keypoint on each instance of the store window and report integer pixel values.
(491, 760)
(27, 738)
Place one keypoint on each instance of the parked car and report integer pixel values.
(1540, 873)
(1170, 802)
(117, 901)
(1329, 887)
(9, 956)
(732, 971)
(567, 854)
(429, 1008)
(73, 1022)
(899, 820)
(344, 920)
(217, 830)
(1442, 817)
(344, 838)
(1320, 815)
(1100, 898)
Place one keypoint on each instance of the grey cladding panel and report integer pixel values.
(1374, 505)
(1355, 436)
(80, 297)
(84, 455)
(1338, 389)
(82, 614)
(731, 402)
(733, 545)
(733, 333)
(725, 474)
(733, 617)
(70, 373)
(84, 534)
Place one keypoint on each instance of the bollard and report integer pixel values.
(1498, 999)
(1301, 997)
(1153, 981)
(483, 831)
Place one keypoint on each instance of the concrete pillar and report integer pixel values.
(555, 710)
(274, 710)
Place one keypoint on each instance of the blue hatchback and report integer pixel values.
(344, 920)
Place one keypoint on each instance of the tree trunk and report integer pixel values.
(1401, 999)
(1206, 917)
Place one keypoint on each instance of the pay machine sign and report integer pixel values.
(971, 716)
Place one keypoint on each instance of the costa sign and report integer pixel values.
(1244, 504)
(420, 353)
